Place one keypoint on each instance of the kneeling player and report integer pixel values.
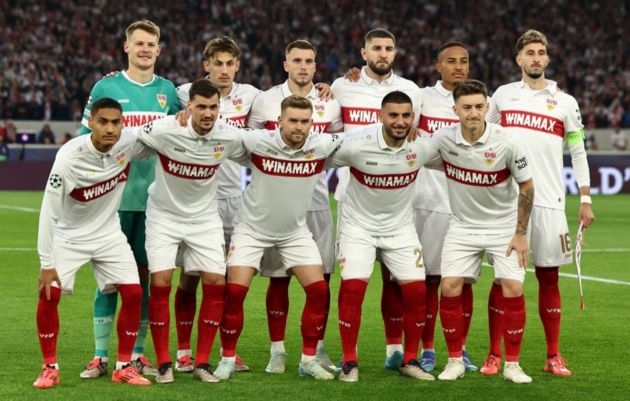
(378, 215)
(482, 163)
(79, 224)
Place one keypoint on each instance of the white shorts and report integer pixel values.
(431, 228)
(462, 255)
(401, 253)
(549, 237)
(202, 245)
(320, 225)
(112, 262)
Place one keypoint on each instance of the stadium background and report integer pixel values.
(52, 52)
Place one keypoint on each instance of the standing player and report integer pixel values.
(300, 66)
(432, 211)
(360, 105)
(78, 223)
(482, 162)
(544, 119)
(378, 215)
(221, 60)
(182, 210)
(286, 164)
(143, 96)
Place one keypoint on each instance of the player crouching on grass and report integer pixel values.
(78, 224)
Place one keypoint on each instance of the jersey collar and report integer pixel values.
(124, 74)
(286, 148)
(365, 77)
(232, 92)
(439, 88)
(286, 92)
(96, 152)
(552, 86)
(459, 138)
(380, 137)
(194, 135)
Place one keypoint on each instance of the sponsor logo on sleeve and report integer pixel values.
(521, 163)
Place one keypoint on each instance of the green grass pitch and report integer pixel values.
(594, 341)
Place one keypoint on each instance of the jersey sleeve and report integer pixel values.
(173, 101)
(342, 152)
(137, 149)
(336, 123)
(494, 114)
(574, 137)
(256, 114)
(416, 100)
(58, 185)
(517, 161)
(95, 94)
(182, 95)
(427, 148)
(152, 133)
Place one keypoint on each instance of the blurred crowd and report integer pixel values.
(52, 51)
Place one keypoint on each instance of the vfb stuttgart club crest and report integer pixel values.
(411, 159)
(238, 104)
(308, 155)
(320, 109)
(218, 151)
(551, 104)
(121, 158)
(490, 156)
(161, 98)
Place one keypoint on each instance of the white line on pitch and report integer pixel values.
(18, 249)
(585, 278)
(20, 208)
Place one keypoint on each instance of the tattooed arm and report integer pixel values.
(525, 204)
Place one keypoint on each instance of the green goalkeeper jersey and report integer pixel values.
(140, 103)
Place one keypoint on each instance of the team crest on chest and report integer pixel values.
(308, 155)
(161, 98)
(218, 151)
(320, 109)
(411, 159)
(238, 104)
(121, 158)
(489, 156)
(551, 104)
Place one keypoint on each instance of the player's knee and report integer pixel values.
(511, 288)
(452, 286)
(130, 293)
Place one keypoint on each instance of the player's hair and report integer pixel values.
(531, 36)
(300, 44)
(104, 103)
(396, 97)
(379, 33)
(470, 87)
(203, 88)
(144, 25)
(295, 102)
(448, 45)
(221, 44)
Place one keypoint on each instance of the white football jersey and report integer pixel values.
(185, 183)
(382, 180)
(326, 118)
(361, 105)
(83, 192)
(283, 181)
(480, 177)
(234, 108)
(543, 121)
(437, 112)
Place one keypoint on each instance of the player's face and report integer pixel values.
(106, 126)
(295, 125)
(379, 53)
(203, 113)
(397, 119)
(533, 59)
(453, 65)
(300, 65)
(471, 110)
(142, 48)
(221, 69)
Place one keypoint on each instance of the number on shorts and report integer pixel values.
(565, 242)
(418, 253)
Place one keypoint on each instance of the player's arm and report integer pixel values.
(174, 105)
(342, 150)
(428, 149)
(152, 133)
(494, 114)
(574, 137)
(57, 187)
(138, 150)
(256, 118)
(324, 92)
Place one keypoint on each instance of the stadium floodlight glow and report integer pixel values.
(578, 261)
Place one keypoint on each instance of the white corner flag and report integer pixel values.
(578, 261)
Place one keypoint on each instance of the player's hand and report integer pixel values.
(110, 74)
(46, 278)
(182, 117)
(353, 74)
(518, 244)
(413, 134)
(324, 92)
(586, 215)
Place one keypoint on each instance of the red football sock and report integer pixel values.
(313, 315)
(48, 324)
(159, 320)
(513, 327)
(392, 310)
(128, 319)
(185, 306)
(414, 298)
(351, 294)
(323, 332)
(210, 315)
(467, 309)
(277, 307)
(233, 317)
(432, 302)
(549, 306)
(451, 317)
(495, 318)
